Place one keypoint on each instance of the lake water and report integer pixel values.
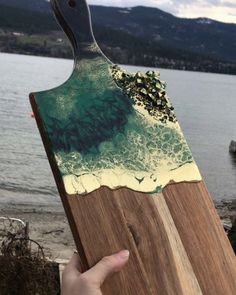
(205, 105)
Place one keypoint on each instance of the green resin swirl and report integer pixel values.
(105, 135)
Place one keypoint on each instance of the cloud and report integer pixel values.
(229, 4)
(217, 9)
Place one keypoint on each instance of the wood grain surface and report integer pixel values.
(176, 240)
(177, 243)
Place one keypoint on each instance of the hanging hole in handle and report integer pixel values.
(72, 3)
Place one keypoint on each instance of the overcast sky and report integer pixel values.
(216, 9)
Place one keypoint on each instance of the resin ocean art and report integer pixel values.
(110, 128)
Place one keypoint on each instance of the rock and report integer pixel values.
(232, 236)
(232, 146)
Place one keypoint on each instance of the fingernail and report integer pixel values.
(124, 254)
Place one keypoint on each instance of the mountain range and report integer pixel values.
(150, 29)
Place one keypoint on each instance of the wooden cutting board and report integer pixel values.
(126, 176)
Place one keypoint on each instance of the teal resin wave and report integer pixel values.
(95, 128)
(102, 134)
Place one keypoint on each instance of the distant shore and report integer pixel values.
(49, 226)
(161, 63)
(55, 45)
(157, 39)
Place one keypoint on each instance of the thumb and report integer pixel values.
(107, 266)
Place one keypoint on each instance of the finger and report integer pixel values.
(107, 266)
(74, 264)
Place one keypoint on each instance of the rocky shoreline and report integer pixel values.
(226, 210)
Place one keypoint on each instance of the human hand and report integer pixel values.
(89, 283)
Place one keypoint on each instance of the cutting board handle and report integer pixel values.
(75, 20)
